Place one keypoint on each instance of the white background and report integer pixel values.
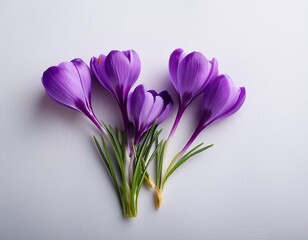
(253, 184)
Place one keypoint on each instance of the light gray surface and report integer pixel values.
(252, 185)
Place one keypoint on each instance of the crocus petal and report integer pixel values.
(129, 107)
(216, 95)
(136, 101)
(135, 66)
(63, 84)
(116, 68)
(189, 75)
(213, 72)
(174, 61)
(235, 107)
(156, 110)
(168, 106)
(221, 99)
(117, 72)
(84, 76)
(192, 73)
(228, 88)
(98, 68)
(146, 109)
(69, 83)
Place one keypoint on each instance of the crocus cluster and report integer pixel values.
(128, 150)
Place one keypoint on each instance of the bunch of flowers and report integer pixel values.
(128, 150)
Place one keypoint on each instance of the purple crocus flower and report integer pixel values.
(146, 107)
(69, 84)
(221, 98)
(117, 72)
(189, 75)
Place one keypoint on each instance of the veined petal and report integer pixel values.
(220, 99)
(216, 95)
(136, 101)
(235, 107)
(234, 92)
(135, 66)
(62, 83)
(145, 107)
(197, 86)
(213, 72)
(116, 68)
(69, 83)
(117, 72)
(192, 74)
(85, 78)
(174, 61)
(168, 106)
(129, 108)
(146, 110)
(156, 110)
(98, 68)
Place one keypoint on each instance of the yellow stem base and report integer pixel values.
(158, 198)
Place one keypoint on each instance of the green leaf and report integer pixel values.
(110, 168)
(115, 141)
(183, 159)
(159, 161)
(145, 168)
(175, 158)
(146, 140)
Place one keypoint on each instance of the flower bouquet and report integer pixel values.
(128, 150)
